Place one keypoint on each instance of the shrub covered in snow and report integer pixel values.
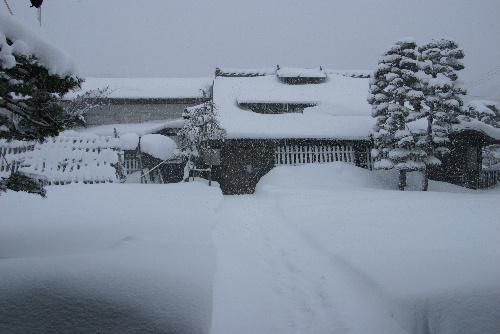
(200, 127)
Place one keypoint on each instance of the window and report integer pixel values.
(276, 108)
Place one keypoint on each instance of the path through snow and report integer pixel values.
(272, 279)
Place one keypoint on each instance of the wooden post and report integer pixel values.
(210, 177)
(402, 180)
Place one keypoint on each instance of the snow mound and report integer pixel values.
(336, 175)
(341, 176)
(158, 146)
(129, 141)
(27, 42)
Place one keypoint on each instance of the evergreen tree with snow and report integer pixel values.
(395, 95)
(439, 61)
(201, 127)
(30, 94)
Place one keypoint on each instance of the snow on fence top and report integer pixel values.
(340, 108)
(70, 157)
(27, 42)
(148, 88)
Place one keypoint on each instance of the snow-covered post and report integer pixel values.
(440, 60)
(395, 94)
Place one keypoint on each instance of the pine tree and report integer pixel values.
(201, 127)
(440, 60)
(395, 95)
(30, 104)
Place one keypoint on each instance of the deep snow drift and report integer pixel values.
(107, 258)
(318, 249)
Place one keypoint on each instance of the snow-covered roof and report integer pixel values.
(148, 88)
(27, 42)
(484, 107)
(243, 72)
(138, 128)
(294, 72)
(341, 110)
(420, 126)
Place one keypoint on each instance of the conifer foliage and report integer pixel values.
(30, 107)
(408, 84)
(440, 60)
(395, 94)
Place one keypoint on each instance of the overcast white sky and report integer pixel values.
(191, 37)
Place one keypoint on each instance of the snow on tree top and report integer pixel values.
(148, 88)
(27, 42)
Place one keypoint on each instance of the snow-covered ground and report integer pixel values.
(318, 249)
(108, 258)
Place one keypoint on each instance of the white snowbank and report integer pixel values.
(318, 249)
(129, 141)
(27, 42)
(108, 258)
(159, 146)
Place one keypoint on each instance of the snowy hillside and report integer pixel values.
(318, 249)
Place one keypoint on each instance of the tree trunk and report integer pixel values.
(402, 180)
(430, 151)
(425, 181)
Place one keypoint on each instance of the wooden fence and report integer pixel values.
(298, 155)
(488, 178)
(132, 164)
(64, 159)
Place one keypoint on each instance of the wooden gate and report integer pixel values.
(307, 154)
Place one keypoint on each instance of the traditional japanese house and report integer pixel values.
(291, 116)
